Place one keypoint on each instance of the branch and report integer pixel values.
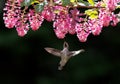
(79, 6)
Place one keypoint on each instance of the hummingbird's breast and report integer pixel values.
(64, 60)
(65, 52)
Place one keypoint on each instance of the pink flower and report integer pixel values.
(61, 28)
(65, 20)
(114, 20)
(60, 34)
(74, 19)
(11, 13)
(35, 20)
(61, 22)
(22, 30)
(82, 31)
(72, 24)
(95, 26)
(22, 26)
(104, 17)
(48, 13)
(10, 19)
(111, 4)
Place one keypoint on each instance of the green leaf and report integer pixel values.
(91, 2)
(26, 3)
(84, 2)
(93, 14)
(95, 0)
(39, 7)
(118, 3)
(65, 2)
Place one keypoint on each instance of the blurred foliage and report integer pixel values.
(23, 60)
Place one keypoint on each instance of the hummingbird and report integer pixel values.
(64, 54)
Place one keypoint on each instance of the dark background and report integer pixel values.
(23, 60)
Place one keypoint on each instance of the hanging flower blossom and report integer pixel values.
(82, 31)
(10, 15)
(35, 19)
(67, 18)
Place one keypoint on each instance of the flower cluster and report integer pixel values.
(14, 17)
(66, 19)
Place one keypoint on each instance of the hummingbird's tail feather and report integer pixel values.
(62, 63)
(60, 67)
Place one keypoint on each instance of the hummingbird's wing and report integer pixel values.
(73, 53)
(53, 51)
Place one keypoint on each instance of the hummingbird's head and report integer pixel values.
(65, 45)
